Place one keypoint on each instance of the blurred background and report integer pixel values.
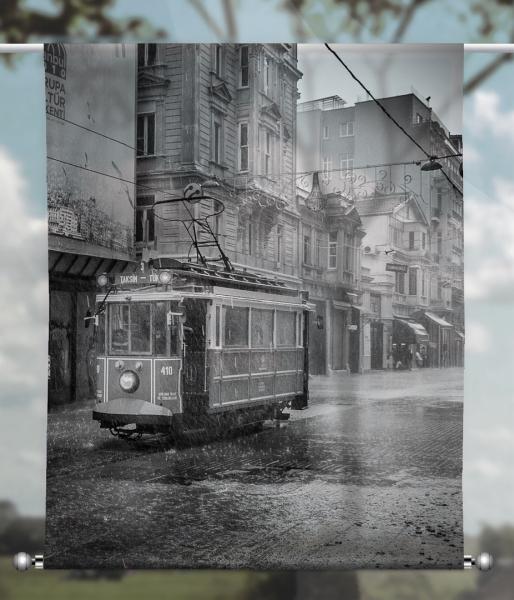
(489, 247)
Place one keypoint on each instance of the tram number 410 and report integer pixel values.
(167, 370)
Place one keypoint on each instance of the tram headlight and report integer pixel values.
(102, 280)
(119, 364)
(139, 365)
(129, 381)
(164, 277)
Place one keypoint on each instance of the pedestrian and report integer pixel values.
(419, 359)
(424, 356)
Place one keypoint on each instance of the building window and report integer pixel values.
(146, 134)
(325, 132)
(413, 282)
(345, 165)
(423, 284)
(423, 241)
(318, 249)
(307, 249)
(217, 139)
(267, 75)
(145, 220)
(439, 199)
(332, 250)
(146, 55)
(346, 129)
(399, 284)
(326, 165)
(411, 240)
(280, 233)
(418, 119)
(218, 60)
(268, 153)
(348, 252)
(243, 66)
(375, 304)
(218, 209)
(439, 243)
(243, 146)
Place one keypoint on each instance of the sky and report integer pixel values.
(388, 70)
(489, 252)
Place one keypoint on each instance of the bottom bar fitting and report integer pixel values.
(483, 562)
(23, 561)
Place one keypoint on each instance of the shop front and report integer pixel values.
(441, 336)
(410, 346)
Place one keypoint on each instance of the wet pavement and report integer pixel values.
(368, 475)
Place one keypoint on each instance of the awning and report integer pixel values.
(440, 321)
(459, 333)
(409, 332)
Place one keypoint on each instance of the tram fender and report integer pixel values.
(125, 410)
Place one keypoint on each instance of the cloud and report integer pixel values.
(23, 342)
(478, 338)
(487, 469)
(471, 155)
(24, 298)
(488, 115)
(489, 236)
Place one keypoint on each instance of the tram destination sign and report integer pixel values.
(143, 277)
(397, 267)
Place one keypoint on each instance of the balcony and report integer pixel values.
(410, 300)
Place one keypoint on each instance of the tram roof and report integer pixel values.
(198, 275)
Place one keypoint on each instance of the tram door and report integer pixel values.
(195, 374)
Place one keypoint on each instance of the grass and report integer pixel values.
(218, 585)
(421, 585)
(179, 585)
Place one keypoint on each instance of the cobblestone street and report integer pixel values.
(369, 474)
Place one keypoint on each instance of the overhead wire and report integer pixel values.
(388, 114)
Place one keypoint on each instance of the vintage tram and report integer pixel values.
(183, 347)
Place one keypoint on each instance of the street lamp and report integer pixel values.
(432, 165)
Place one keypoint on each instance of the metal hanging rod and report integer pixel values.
(489, 48)
(23, 561)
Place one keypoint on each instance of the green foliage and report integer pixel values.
(273, 586)
(83, 19)
(421, 585)
(179, 585)
(498, 541)
(328, 19)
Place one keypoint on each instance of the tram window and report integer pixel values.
(236, 326)
(159, 328)
(262, 328)
(175, 335)
(119, 328)
(140, 327)
(286, 328)
(100, 334)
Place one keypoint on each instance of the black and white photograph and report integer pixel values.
(256, 329)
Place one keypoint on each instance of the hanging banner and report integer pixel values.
(256, 306)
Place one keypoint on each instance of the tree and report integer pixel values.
(332, 20)
(83, 19)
